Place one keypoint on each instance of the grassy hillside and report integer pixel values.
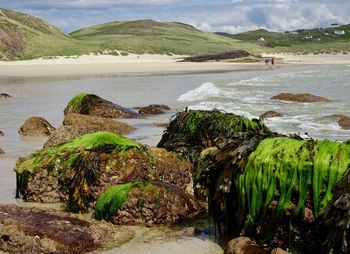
(148, 36)
(23, 36)
(323, 40)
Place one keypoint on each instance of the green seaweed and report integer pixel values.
(282, 169)
(112, 199)
(80, 103)
(62, 156)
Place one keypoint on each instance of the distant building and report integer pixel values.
(339, 32)
(308, 37)
(335, 25)
(294, 32)
(261, 39)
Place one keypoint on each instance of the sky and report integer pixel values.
(230, 16)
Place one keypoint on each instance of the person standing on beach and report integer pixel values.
(273, 60)
(267, 61)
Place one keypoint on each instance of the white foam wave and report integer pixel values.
(226, 107)
(205, 91)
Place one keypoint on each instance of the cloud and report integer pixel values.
(219, 15)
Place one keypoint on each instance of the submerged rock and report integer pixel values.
(301, 97)
(4, 95)
(227, 55)
(343, 121)
(78, 171)
(76, 125)
(90, 104)
(146, 203)
(36, 126)
(244, 245)
(154, 109)
(271, 114)
(30, 230)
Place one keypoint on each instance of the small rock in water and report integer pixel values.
(154, 109)
(244, 245)
(190, 231)
(271, 114)
(36, 126)
(1, 133)
(2, 151)
(4, 95)
(301, 97)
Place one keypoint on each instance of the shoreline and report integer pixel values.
(141, 65)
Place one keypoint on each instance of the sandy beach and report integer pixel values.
(115, 65)
(311, 59)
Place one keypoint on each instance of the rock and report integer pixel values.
(347, 142)
(161, 125)
(30, 230)
(4, 95)
(90, 104)
(190, 231)
(148, 203)
(302, 97)
(76, 125)
(36, 126)
(270, 114)
(154, 109)
(2, 133)
(243, 245)
(217, 56)
(2, 151)
(343, 121)
(279, 251)
(78, 171)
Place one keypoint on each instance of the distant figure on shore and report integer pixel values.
(273, 61)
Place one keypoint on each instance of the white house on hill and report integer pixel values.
(339, 32)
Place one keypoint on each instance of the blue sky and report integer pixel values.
(217, 15)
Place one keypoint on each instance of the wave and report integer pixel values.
(205, 91)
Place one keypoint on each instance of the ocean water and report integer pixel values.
(242, 92)
(251, 96)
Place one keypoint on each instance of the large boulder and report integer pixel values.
(30, 230)
(76, 125)
(301, 97)
(281, 189)
(36, 126)
(227, 55)
(146, 203)
(154, 109)
(90, 104)
(77, 172)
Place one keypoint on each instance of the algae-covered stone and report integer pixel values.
(277, 187)
(77, 172)
(90, 104)
(146, 203)
(30, 230)
(76, 125)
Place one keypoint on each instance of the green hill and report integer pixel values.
(318, 40)
(149, 36)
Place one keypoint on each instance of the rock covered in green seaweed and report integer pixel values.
(76, 125)
(275, 190)
(90, 104)
(148, 203)
(78, 171)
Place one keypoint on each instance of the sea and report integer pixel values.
(245, 93)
